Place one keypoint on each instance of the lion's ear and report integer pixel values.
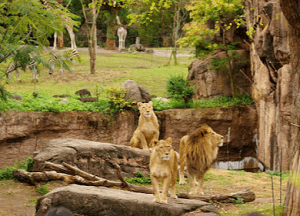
(139, 104)
(151, 103)
(169, 140)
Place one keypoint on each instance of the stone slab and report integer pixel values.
(94, 201)
(87, 156)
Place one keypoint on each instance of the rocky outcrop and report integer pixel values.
(22, 133)
(210, 83)
(88, 156)
(272, 87)
(90, 201)
(267, 77)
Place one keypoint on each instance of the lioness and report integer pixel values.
(148, 128)
(197, 152)
(163, 165)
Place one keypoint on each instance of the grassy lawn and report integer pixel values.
(146, 70)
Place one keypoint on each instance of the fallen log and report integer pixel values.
(76, 176)
(245, 195)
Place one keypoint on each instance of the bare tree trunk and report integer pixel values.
(291, 10)
(91, 33)
(60, 40)
(111, 31)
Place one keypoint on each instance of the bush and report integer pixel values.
(116, 98)
(178, 88)
(7, 173)
(139, 178)
(223, 101)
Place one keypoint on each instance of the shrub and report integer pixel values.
(139, 178)
(116, 98)
(7, 173)
(178, 87)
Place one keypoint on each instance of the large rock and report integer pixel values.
(93, 201)
(214, 83)
(88, 156)
(135, 92)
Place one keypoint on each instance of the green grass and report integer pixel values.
(42, 190)
(7, 172)
(146, 70)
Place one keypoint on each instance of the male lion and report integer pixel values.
(197, 152)
(148, 128)
(163, 165)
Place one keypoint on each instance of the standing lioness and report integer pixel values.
(163, 166)
(148, 128)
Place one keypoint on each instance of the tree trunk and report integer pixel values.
(60, 40)
(111, 31)
(291, 10)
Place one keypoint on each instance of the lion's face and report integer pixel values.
(217, 139)
(146, 109)
(207, 133)
(163, 148)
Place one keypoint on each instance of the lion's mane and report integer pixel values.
(201, 150)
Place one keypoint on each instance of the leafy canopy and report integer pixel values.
(24, 28)
(207, 17)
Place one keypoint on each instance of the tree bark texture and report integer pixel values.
(111, 31)
(291, 10)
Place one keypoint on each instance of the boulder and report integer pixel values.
(92, 201)
(135, 92)
(83, 93)
(87, 156)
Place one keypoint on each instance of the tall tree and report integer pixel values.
(91, 13)
(25, 26)
(291, 10)
(208, 19)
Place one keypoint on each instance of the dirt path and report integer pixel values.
(157, 52)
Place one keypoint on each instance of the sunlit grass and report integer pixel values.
(146, 70)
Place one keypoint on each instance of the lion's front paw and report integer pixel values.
(156, 200)
(174, 197)
(193, 192)
(182, 183)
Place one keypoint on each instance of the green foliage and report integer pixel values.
(237, 200)
(42, 190)
(223, 101)
(178, 88)
(208, 17)
(277, 173)
(47, 103)
(138, 179)
(25, 26)
(7, 173)
(29, 164)
(116, 98)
